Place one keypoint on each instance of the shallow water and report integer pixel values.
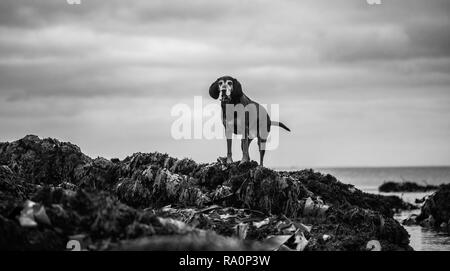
(421, 239)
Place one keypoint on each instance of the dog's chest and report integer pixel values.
(237, 125)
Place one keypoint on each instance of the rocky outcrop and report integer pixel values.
(46, 161)
(406, 187)
(435, 211)
(51, 193)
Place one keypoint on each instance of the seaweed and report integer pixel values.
(154, 201)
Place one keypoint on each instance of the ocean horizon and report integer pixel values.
(369, 178)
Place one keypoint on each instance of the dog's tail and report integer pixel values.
(280, 124)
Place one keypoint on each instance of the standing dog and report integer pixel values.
(242, 116)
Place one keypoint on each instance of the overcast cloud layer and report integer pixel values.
(358, 85)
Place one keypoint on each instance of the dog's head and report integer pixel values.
(227, 88)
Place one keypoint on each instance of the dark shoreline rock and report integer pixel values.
(435, 212)
(113, 204)
(406, 187)
(339, 193)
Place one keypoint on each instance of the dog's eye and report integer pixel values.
(220, 82)
(229, 83)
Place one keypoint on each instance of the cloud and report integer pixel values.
(98, 13)
(67, 70)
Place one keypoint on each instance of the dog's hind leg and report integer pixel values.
(262, 150)
(245, 143)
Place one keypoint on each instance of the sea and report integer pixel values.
(369, 179)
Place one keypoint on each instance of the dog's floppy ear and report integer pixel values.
(214, 90)
(237, 90)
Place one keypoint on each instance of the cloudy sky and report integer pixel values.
(358, 85)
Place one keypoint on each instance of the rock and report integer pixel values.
(32, 214)
(353, 227)
(266, 190)
(13, 191)
(337, 193)
(261, 223)
(411, 220)
(373, 245)
(406, 187)
(47, 161)
(300, 241)
(99, 173)
(436, 209)
(154, 201)
(193, 241)
(312, 208)
(420, 201)
(15, 237)
(428, 222)
(134, 192)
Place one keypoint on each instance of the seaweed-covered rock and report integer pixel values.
(51, 193)
(406, 187)
(435, 211)
(14, 190)
(351, 229)
(264, 189)
(99, 173)
(134, 192)
(193, 241)
(337, 193)
(46, 161)
(15, 237)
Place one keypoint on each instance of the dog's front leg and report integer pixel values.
(262, 150)
(229, 136)
(229, 145)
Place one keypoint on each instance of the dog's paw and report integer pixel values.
(244, 161)
(244, 165)
(229, 160)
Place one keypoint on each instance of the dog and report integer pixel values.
(253, 122)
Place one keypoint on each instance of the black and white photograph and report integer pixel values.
(252, 126)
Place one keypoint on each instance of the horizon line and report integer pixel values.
(359, 167)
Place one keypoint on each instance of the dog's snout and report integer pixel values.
(225, 94)
(225, 87)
